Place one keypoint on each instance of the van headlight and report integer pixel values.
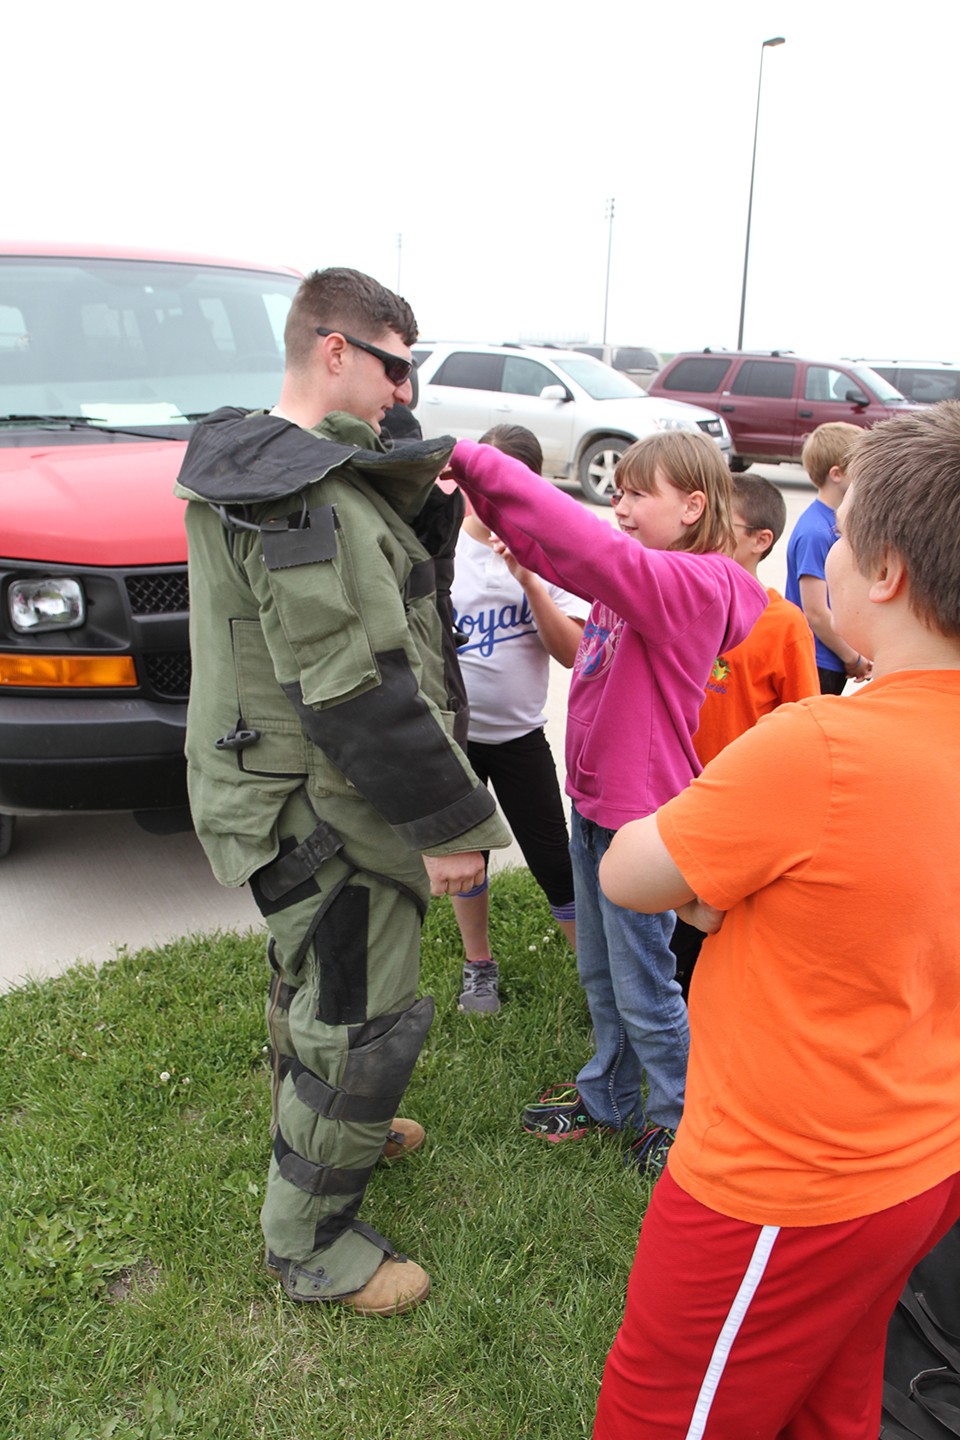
(54, 603)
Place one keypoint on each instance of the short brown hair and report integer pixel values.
(517, 441)
(761, 505)
(690, 462)
(905, 497)
(827, 446)
(337, 299)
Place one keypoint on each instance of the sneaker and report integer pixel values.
(481, 987)
(649, 1153)
(559, 1114)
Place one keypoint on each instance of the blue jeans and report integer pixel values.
(628, 970)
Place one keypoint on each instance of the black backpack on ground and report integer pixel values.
(921, 1376)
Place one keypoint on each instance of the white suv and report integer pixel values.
(583, 413)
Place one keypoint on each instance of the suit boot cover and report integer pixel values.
(339, 1088)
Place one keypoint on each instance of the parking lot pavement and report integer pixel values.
(81, 887)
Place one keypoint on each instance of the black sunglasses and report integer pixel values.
(397, 369)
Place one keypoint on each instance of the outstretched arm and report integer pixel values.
(657, 592)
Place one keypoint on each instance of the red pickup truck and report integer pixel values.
(107, 358)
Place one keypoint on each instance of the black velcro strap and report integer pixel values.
(335, 1104)
(375, 1238)
(317, 1179)
(292, 869)
(421, 581)
(287, 543)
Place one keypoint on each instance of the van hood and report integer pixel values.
(92, 504)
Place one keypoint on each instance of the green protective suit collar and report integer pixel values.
(244, 457)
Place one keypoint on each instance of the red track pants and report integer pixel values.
(748, 1332)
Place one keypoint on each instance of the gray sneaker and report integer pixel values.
(481, 987)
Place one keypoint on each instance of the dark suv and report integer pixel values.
(772, 399)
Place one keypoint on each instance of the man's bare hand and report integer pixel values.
(450, 874)
(701, 916)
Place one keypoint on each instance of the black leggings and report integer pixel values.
(524, 778)
(831, 681)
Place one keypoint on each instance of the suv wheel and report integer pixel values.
(597, 465)
(739, 463)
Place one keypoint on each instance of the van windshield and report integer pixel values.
(138, 342)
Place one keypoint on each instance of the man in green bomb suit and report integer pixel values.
(323, 759)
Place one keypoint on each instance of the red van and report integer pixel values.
(107, 358)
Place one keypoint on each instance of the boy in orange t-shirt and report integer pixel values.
(776, 663)
(818, 1158)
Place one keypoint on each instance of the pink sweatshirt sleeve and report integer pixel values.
(659, 593)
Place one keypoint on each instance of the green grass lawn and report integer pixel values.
(134, 1112)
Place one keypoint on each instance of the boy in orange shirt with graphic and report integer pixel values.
(774, 665)
(818, 1158)
(777, 661)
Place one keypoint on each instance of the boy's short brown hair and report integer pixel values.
(905, 497)
(761, 505)
(348, 300)
(827, 446)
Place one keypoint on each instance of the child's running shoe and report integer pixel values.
(481, 987)
(559, 1114)
(649, 1153)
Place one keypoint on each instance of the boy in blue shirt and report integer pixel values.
(824, 457)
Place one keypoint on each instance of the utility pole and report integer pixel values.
(606, 294)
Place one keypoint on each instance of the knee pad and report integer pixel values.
(379, 1064)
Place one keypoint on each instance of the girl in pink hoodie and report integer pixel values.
(663, 610)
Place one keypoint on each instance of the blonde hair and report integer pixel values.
(690, 462)
(828, 445)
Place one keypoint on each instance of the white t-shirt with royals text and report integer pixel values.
(505, 667)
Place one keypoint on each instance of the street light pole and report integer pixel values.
(606, 293)
(767, 44)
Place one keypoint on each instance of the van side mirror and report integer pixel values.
(556, 392)
(856, 397)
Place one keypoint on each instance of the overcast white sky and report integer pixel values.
(491, 136)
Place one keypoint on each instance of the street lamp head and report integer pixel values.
(777, 40)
